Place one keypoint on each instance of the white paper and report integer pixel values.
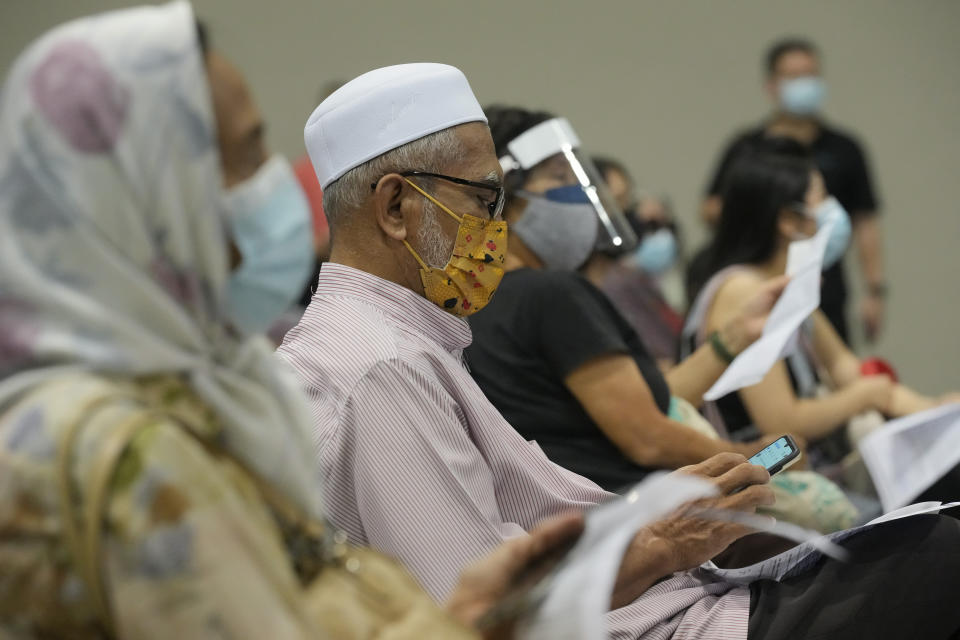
(907, 455)
(797, 559)
(580, 592)
(799, 299)
(917, 509)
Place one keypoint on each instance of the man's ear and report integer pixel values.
(392, 203)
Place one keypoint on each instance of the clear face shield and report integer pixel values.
(550, 152)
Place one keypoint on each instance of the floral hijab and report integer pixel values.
(113, 252)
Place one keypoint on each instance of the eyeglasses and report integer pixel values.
(495, 208)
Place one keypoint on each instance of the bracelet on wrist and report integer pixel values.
(878, 290)
(719, 348)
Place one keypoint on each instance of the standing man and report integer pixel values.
(797, 90)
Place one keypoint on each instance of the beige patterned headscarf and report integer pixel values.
(113, 252)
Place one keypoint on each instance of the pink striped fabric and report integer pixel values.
(416, 462)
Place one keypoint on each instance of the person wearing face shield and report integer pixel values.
(797, 90)
(561, 364)
(632, 281)
(768, 201)
(156, 469)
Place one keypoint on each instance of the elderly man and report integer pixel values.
(417, 462)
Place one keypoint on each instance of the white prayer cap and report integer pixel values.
(384, 109)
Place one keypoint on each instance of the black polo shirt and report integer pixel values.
(539, 327)
(843, 164)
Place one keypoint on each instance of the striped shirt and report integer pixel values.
(416, 462)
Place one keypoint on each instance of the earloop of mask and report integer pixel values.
(423, 265)
(434, 201)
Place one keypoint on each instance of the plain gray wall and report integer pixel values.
(661, 85)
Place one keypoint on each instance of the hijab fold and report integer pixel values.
(113, 248)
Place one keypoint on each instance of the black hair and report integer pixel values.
(759, 186)
(203, 37)
(787, 45)
(506, 123)
(606, 164)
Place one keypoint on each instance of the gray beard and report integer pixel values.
(434, 248)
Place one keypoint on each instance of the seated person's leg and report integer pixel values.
(903, 581)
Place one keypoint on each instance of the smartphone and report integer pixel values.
(777, 455)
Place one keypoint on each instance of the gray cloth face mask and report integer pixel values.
(563, 235)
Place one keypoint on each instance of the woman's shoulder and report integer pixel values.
(735, 289)
(740, 283)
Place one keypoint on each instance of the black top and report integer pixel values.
(843, 164)
(538, 328)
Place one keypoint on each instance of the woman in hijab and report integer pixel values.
(156, 468)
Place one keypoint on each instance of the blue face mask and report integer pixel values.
(570, 194)
(656, 252)
(802, 96)
(830, 211)
(270, 221)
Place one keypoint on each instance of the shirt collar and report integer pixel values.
(408, 310)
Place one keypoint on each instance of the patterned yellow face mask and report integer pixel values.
(466, 284)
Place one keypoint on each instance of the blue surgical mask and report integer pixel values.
(802, 96)
(830, 211)
(656, 252)
(269, 218)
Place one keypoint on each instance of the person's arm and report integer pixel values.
(712, 203)
(869, 240)
(694, 375)
(863, 205)
(775, 408)
(682, 541)
(840, 362)
(614, 394)
(425, 494)
(844, 369)
(772, 404)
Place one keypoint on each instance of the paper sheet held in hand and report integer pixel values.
(799, 299)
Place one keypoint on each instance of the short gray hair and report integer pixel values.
(433, 152)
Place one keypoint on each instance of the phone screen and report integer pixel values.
(774, 455)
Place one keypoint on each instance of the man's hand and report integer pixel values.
(747, 326)
(682, 540)
(693, 540)
(487, 580)
(871, 313)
